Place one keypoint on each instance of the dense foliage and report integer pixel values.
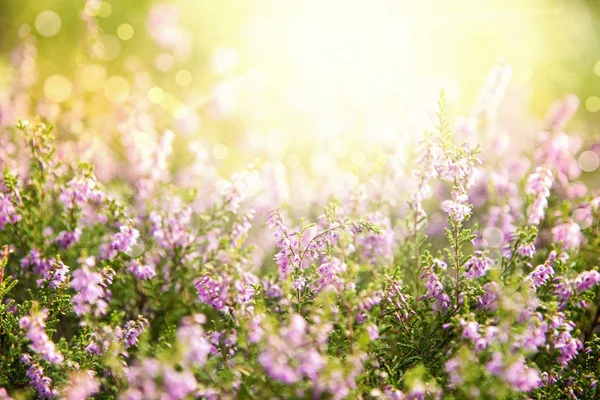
(458, 263)
(155, 296)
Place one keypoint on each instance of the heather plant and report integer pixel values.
(459, 264)
(155, 295)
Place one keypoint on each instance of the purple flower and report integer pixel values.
(91, 293)
(55, 275)
(470, 330)
(125, 239)
(586, 280)
(141, 380)
(275, 219)
(38, 381)
(172, 230)
(561, 113)
(80, 190)
(241, 229)
(568, 234)
(34, 259)
(489, 300)
(534, 336)
(373, 331)
(141, 271)
(556, 152)
(457, 211)
(8, 212)
(133, 329)
(526, 250)
(370, 300)
(311, 363)
(190, 338)
(245, 288)
(82, 385)
(374, 246)
(562, 289)
(568, 347)
(453, 367)
(563, 341)
(4, 394)
(66, 239)
(436, 291)
(272, 290)
(178, 385)
(538, 186)
(453, 171)
(255, 330)
(298, 283)
(275, 363)
(399, 300)
(521, 377)
(35, 325)
(541, 274)
(496, 364)
(289, 356)
(477, 266)
(213, 292)
(330, 272)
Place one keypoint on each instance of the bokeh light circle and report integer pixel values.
(156, 95)
(57, 88)
(592, 104)
(107, 48)
(582, 217)
(105, 10)
(589, 161)
(137, 249)
(48, 23)
(125, 31)
(493, 237)
(183, 77)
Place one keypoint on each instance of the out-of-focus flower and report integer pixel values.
(35, 325)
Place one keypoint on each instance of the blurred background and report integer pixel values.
(314, 84)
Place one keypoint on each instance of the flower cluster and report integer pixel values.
(469, 270)
(35, 326)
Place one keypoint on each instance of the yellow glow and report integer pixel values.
(358, 158)
(92, 77)
(57, 88)
(183, 77)
(105, 10)
(220, 151)
(592, 104)
(164, 61)
(107, 48)
(156, 95)
(175, 107)
(352, 69)
(125, 31)
(116, 89)
(48, 23)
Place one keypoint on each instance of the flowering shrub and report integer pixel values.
(467, 269)
(155, 296)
